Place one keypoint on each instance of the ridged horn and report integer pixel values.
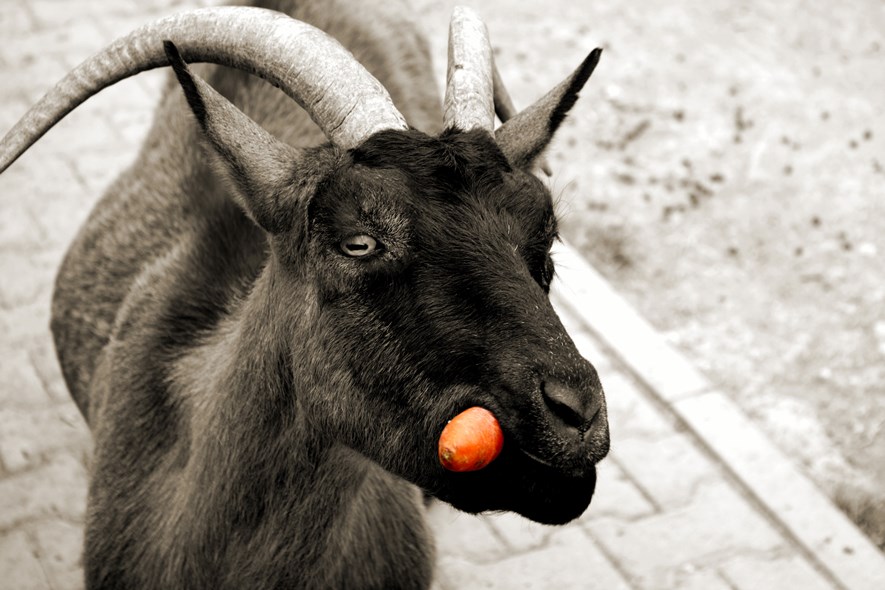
(344, 99)
(469, 96)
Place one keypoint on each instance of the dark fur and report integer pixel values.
(264, 406)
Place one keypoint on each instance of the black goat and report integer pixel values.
(268, 321)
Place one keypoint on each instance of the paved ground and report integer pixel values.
(692, 496)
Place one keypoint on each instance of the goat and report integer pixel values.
(268, 319)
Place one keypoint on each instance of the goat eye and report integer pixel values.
(360, 245)
(547, 274)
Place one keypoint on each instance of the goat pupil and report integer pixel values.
(358, 245)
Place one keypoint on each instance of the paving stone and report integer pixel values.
(616, 495)
(717, 523)
(19, 182)
(463, 535)
(59, 546)
(798, 503)
(31, 80)
(39, 177)
(77, 12)
(53, 203)
(19, 567)
(691, 578)
(26, 325)
(15, 19)
(630, 413)
(28, 436)
(54, 490)
(19, 231)
(27, 276)
(116, 25)
(22, 387)
(47, 50)
(45, 362)
(792, 572)
(13, 108)
(519, 533)
(570, 561)
(85, 129)
(670, 468)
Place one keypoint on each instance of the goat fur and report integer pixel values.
(190, 296)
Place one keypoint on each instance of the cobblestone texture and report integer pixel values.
(666, 513)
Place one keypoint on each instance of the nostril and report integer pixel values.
(564, 413)
(568, 405)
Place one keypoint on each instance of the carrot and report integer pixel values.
(470, 441)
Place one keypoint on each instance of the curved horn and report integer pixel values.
(323, 77)
(469, 102)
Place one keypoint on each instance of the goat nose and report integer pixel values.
(571, 408)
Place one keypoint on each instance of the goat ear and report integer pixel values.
(261, 167)
(524, 137)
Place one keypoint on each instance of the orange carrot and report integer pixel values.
(470, 441)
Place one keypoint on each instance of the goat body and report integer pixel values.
(265, 408)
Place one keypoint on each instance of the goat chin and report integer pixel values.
(268, 319)
(526, 487)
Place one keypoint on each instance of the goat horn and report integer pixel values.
(469, 102)
(344, 99)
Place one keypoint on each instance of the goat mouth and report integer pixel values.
(564, 468)
(523, 482)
